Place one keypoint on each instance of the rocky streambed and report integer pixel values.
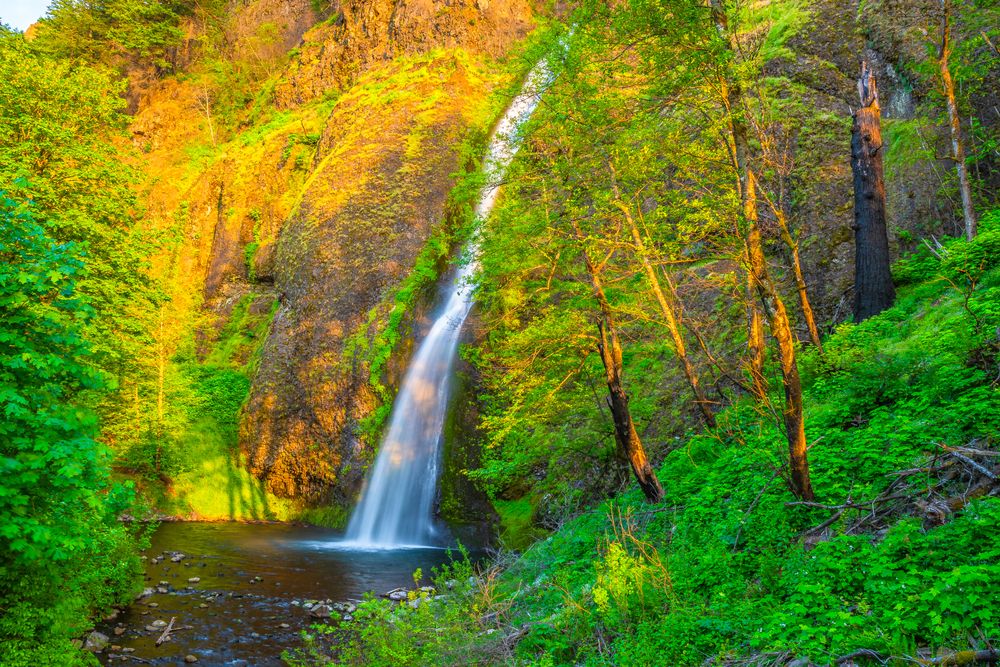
(240, 594)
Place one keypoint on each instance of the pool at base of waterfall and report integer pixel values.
(240, 594)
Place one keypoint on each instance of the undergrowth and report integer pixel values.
(898, 560)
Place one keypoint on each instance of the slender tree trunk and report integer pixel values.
(955, 123)
(672, 320)
(756, 344)
(625, 433)
(800, 281)
(770, 299)
(732, 94)
(609, 347)
(873, 290)
(161, 371)
(781, 329)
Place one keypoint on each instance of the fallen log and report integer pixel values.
(957, 659)
(969, 462)
(123, 656)
(166, 631)
(964, 658)
(861, 653)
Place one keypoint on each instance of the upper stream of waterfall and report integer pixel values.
(397, 503)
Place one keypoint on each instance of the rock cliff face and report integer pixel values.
(380, 186)
(363, 33)
(314, 198)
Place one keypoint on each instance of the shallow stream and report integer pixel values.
(253, 582)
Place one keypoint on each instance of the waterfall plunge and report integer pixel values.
(397, 504)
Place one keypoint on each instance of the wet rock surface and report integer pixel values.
(258, 587)
(379, 186)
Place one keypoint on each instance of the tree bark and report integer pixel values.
(625, 434)
(873, 289)
(800, 281)
(955, 124)
(670, 315)
(732, 94)
(781, 329)
(609, 347)
(756, 344)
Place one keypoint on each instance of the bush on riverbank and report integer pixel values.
(63, 554)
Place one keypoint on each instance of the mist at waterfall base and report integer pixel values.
(397, 504)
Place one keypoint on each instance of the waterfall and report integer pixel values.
(397, 503)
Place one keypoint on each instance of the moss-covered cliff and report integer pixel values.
(303, 157)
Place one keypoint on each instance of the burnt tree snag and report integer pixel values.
(873, 290)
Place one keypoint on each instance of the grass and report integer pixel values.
(517, 528)
(216, 487)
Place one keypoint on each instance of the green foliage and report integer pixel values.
(112, 31)
(56, 505)
(186, 459)
(48, 443)
(416, 631)
(61, 137)
(721, 571)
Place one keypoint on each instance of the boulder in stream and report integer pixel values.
(320, 611)
(397, 595)
(96, 641)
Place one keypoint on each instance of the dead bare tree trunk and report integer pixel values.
(204, 99)
(671, 318)
(873, 289)
(609, 347)
(955, 123)
(781, 329)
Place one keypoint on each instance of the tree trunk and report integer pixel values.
(732, 95)
(781, 329)
(800, 281)
(670, 315)
(756, 344)
(873, 290)
(625, 433)
(609, 347)
(955, 123)
(770, 299)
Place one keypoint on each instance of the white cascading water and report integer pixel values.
(397, 504)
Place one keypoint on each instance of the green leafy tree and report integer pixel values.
(62, 137)
(114, 31)
(54, 499)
